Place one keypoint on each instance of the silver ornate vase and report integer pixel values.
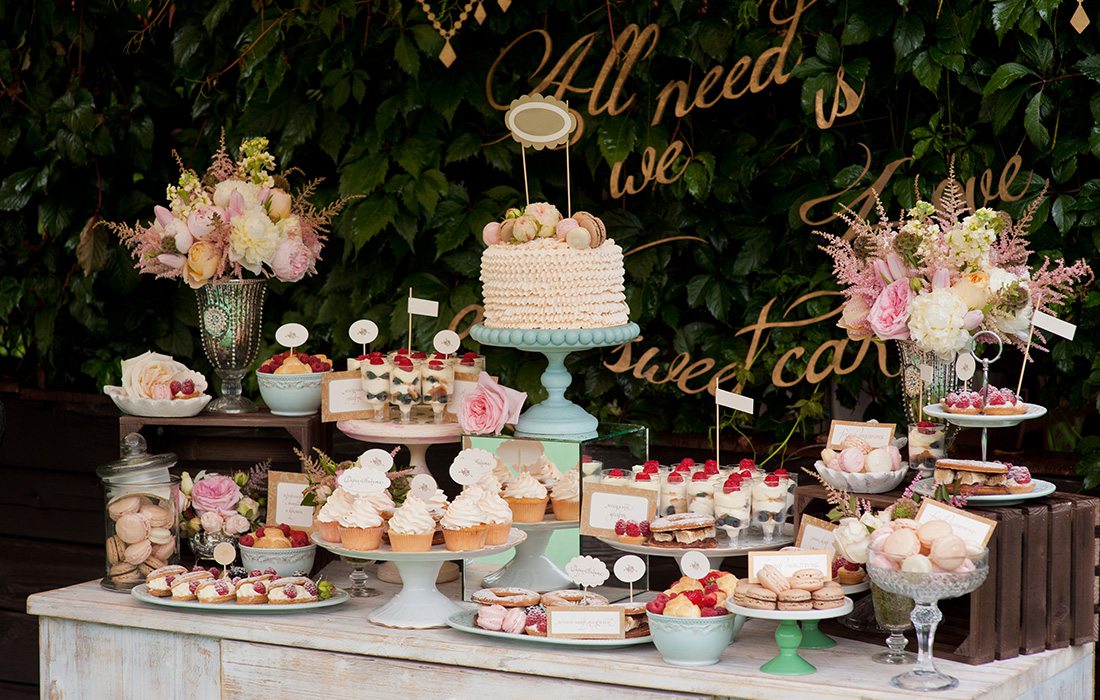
(229, 321)
(916, 393)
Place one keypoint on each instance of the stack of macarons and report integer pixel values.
(805, 589)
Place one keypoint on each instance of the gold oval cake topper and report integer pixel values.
(539, 122)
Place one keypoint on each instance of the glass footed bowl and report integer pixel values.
(926, 589)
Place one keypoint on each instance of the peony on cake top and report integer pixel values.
(542, 271)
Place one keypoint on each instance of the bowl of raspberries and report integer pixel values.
(690, 623)
(279, 547)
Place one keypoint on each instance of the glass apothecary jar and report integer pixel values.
(140, 514)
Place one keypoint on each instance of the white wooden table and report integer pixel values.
(99, 644)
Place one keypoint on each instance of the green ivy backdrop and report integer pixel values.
(96, 94)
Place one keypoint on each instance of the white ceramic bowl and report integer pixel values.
(154, 408)
(878, 482)
(291, 394)
(284, 561)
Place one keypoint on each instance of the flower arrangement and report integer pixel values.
(489, 407)
(935, 277)
(238, 216)
(219, 504)
(322, 472)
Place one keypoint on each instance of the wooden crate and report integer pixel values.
(1042, 587)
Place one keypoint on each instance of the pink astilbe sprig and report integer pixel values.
(221, 164)
(912, 487)
(1052, 283)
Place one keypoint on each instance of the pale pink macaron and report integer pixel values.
(514, 621)
(852, 459)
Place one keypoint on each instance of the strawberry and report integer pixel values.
(248, 541)
(711, 588)
(675, 478)
(694, 596)
(745, 474)
(699, 476)
(771, 480)
(632, 529)
(731, 486)
(683, 468)
(188, 386)
(782, 473)
(175, 387)
(747, 464)
(620, 527)
(615, 472)
(651, 467)
(710, 464)
(657, 607)
(709, 600)
(642, 476)
(361, 358)
(709, 611)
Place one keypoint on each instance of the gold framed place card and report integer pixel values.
(586, 622)
(604, 504)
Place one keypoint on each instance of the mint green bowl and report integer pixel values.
(291, 394)
(693, 641)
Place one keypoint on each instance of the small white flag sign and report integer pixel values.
(1057, 326)
(731, 400)
(423, 307)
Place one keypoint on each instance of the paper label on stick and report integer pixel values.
(973, 529)
(629, 569)
(363, 331)
(423, 486)
(376, 459)
(224, 553)
(586, 622)
(465, 471)
(791, 560)
(446, 342)
(814, 533)
(587, 571)
(965, 366)
(288, 505)
(361, 481)
(874, 434)
(291, 335)
(694, 565)
(731, 400)
(423, 307)
(1053, 324)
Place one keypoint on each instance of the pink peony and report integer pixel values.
(490, 407)
(204, 220)
(491, 233)
(215, 492)
(889, 315)
(212, 521)
(292, 260)
(236, 524)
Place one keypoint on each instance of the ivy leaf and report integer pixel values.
(908, 35)
(1005, 75)
(857, 31)
(1005, 104)
(617, 139)
(413, 155)
(407, 57)
(1090, 67)
(697, 180)
(465, 146)
(370, 217)
(715, 40)
(364, 175)
(1061, 212)
(17, 188)
(695, 288)
(1006, 13)
(828, 49)
(1033, 124)
(927, 71)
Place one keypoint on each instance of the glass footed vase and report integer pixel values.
(892, 612)
(926, 589)
(229, 323)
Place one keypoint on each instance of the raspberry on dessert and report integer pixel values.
(259, 587)
(247, 541)
(664, 597)
(188, 386)
(255, 572)
(709, 611)
(781, 473)
(675, 478)
(745, 474)
(615, 472)
(175, 387)
(688, 461)
(962, 402)
(642, 476)
(542, 626)
(838, 564)
(620, 527)
(852, 566)
(285, 528)
(996, 399)
(651, 466)
(771, 480)
(214, 571)
(197, 568)
(193, 586)
(731, 486)
(657, 606)
(632, 529)
(311, 588)
(291, 592)
(644, 527)
(271, 571)
(221, 588)
(747, 464)
(700, 476)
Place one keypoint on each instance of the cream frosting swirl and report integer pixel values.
(338, 503)
(496, 509)
(524, 486)
(543, 470)
(463, 513)
(381, 501)
(490, 482)
(361, 514)
(567, 487)
(437, 501)
(412, 518)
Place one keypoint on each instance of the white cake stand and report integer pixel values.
(745, 544)
(530, 568)
(415, 437)
(419, 604)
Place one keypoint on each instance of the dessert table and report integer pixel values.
(95, 643)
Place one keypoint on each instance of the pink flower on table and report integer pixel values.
(889, 317)
(216, 493)
(292, 260)
(211, 521)
(236, 524)
(487, 409)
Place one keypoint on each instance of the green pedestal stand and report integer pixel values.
(814, 638)
(787, 662)
(789, 637)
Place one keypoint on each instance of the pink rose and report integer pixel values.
(236, 524)
(204, 220)
(491, 233)
(211, 521)
(889, 315)
(292, 260)
(490, 407)
(215, 492)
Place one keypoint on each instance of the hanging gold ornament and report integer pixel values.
(1080, 19)
(448, 55)
(479, 13)
(504, 5)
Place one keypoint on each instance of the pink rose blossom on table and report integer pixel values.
(211, 521)
(890, 312)
(292, 260)
(487, 409)
(236, 524)
(215, 492)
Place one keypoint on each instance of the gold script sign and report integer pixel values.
(696, 376)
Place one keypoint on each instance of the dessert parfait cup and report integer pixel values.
(927, 443)
(926, 589)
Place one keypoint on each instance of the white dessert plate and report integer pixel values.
(464, 622)
(791, 614)
(872, 482)
(746, 543)
(156, 408)
(140, 592)
(965, 420)
(926, 487)
(437, 553)
(860, 587)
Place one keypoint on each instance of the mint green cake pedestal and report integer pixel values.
(790, 638)
(557, 416)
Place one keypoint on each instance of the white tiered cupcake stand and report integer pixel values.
(419, 605)
(530, 568)
(416, 437)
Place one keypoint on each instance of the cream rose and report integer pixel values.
(149, 375)
(937, 322)
(202, 263)
(249, 192)
(852, 540)
(278, 205)
(973, 289)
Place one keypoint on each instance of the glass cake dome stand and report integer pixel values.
(557, 416)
